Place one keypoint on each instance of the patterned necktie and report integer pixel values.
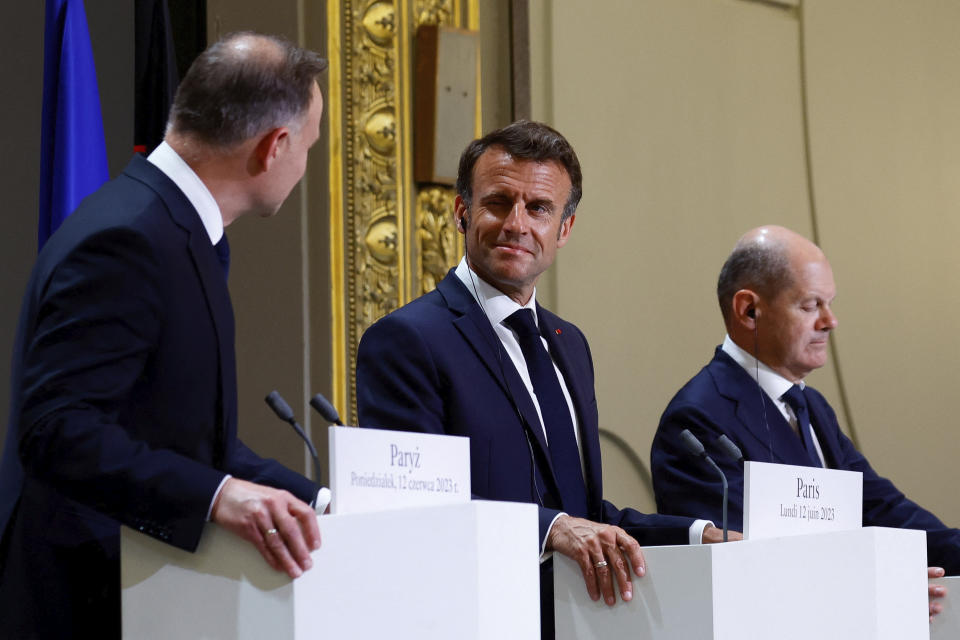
(223, 255)
(555, 411)
(798, 402)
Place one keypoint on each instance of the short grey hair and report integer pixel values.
(233, 93)
(763, 267)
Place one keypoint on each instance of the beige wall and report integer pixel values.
(688, 116)
(885, 144)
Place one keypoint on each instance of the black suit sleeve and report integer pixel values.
(686, 486)
(247, 465)
(98, 320)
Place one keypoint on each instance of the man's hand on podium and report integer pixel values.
(602, 552)
(935, 591)
(712, 535)
(282, 528)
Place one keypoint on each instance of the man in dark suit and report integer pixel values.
(478, 357)
(124, 385)
(775, 292)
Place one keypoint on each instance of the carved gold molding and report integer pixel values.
(389, 243)
(438, 243)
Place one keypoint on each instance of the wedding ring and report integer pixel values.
(600, 565)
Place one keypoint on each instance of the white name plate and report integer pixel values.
(373, 469)
(783, 500)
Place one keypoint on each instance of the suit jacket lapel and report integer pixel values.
(473, 325)
(210, 274)
(772, 432)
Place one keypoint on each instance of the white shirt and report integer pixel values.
(773, 384)
(498, 306)
(175, 168)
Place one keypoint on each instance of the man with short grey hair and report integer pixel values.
(124, 406)
(775, 292)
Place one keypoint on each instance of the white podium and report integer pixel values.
(462, 571)
(868, 584)
(946, 626)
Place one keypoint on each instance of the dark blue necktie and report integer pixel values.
(555, 412)
(223, 255)
(798, 402)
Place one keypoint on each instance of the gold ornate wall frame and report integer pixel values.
(390, 241)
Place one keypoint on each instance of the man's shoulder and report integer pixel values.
(425, 315)
(430, 307)
(704, 387)
(124, 219)
(127, 201)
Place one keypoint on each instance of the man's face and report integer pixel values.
(292, 161)
(793, 328)
(513, 224)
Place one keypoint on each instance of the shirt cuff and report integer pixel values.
(216, 494)
(696, 531)
(544, 554)
(323, 501)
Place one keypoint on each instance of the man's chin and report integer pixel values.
(269, 212)
(816, 362)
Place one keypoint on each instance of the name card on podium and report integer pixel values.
(784, 500)
(374, 469)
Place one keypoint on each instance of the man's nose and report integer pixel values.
(516, 220)
(828, 320)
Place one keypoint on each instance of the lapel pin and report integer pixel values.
(559, 331)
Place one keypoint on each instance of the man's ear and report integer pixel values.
(459, 213)
(271, 145)
(745, 311)
(564, 234)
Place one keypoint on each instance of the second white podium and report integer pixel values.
(865, 584)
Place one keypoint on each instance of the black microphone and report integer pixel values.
(280, 407)
(695, 447)
(729, 448)
(326, 410)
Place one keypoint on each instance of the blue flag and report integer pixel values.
(73, 155)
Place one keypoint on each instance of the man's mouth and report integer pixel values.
(513, 248)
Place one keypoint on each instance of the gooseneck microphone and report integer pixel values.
(326, 410)
(729, 448)
(280, 407)
(695, 447)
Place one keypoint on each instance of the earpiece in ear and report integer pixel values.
(460, 224)
(752, 313)
(463, 222)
